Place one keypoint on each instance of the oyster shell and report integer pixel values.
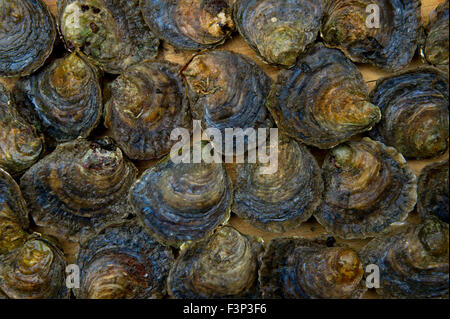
(121, 262)
(323, 100)
(79, 188)
(282, 200)
(224, 265)
(36, 270)
(415, 117)
(111, 33)
(432, 190)
(278, 30)
(368, 187)
(350, 26)
(63, 99)
(295, 268)
(182, 202)
(189, 24)
(27, 35)
(13, 214)
(413, 260)
(147, 102)
(20, 146)
(435, 49)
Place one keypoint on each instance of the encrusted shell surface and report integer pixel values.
(415, 117)
(436, 49)
(121, 262)
(147, 102)
(111, 33)
(279, 200)
(278, 30)
(63, 100)
(432, 190)
(36, 270)
(368, 187)
(182, 202)
(413, 260)
(224, 265)
(295, 268)
(13, 214)
(189, 24)
(20, 145)
(384, 33)
(79, 188)
(27, 35)
(323, 100)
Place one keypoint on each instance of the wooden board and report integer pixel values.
(311, 229)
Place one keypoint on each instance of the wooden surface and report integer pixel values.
(311, 229)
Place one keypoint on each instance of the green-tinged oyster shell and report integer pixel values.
(284, 198)
(111, 33)
(294, 268)
(368, 187)
(147, 102)
(323, 100)
(121, 262)
(20, 145)
(413, 260)
(278, 30)
(351, 26)
(79, 188)
(189, 24)
(414, 107)
(27, 35)
(224, 265)
(36, 270)
(432, 191)
(63, 100)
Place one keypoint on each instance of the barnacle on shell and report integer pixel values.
(414, 107)
(189, 24)
(224, 265)
(27, 35)
(368, 187)
(322, 101)
(79, 188)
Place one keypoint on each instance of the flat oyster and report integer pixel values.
(322, 101)
(224, 265)
(368, 187)
(413, 260)
(79, 188)
(27, 34)
(295, 268)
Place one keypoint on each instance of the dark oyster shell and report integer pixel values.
(79, 188)
(282, 200)
(391, 46)
(27, 35)
(122, 262)
(323, 100)
(20, 146)
(278, 30)
(182, 202)
(112, 33)
(63, 100)
(435, 49)
(413, 260)
(414, 105)
(13, 214)
(294, 268)
(189, 24)
(368, 187)
(224, 265)
(36, 270)
(147, 102)
(432, 190)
